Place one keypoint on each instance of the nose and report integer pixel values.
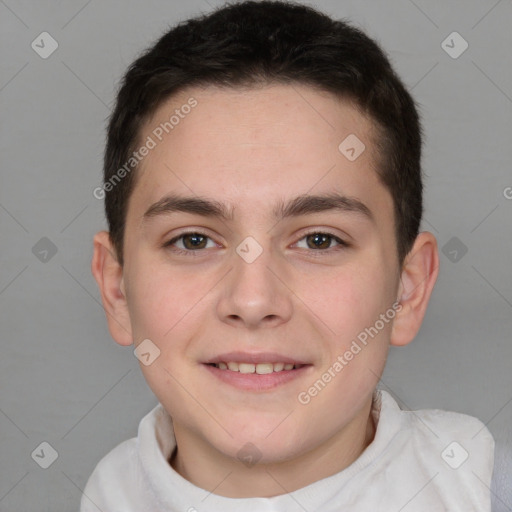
(254, 295)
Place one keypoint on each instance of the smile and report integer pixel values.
(259, 368)
(257, 377)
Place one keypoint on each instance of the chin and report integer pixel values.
(269, 442)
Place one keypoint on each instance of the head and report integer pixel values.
(287, 148)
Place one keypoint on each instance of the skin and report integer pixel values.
(251, 149)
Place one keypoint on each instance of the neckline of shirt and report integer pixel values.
(156, 442)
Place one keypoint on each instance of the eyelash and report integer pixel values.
(317, 252)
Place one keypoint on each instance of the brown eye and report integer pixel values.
(319, 241)
(194, 241)
(189, 242)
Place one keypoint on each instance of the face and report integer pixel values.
(253, 242)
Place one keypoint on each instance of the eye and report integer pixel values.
(191, 241)
(194, 241)
(322, 241)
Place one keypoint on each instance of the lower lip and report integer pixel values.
(257, 382)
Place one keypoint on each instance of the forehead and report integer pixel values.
(253, 147)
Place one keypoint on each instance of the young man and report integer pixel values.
(263, 193)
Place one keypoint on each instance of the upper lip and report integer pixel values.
(255, 358)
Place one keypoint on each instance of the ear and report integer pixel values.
(109, 275)
(418, 276)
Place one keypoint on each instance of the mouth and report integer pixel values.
(256, 372)
(258, 368)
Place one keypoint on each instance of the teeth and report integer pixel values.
(263, 368)
(260, 368)
(246, 368)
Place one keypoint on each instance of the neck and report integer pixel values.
(204, 466)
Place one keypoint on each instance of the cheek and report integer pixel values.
(159, 299)
(164, 308)
(347, 299)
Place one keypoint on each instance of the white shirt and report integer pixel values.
(428, 460)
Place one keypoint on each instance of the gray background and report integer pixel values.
(64, 381)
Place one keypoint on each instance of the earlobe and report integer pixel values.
(108, 274)
(418, 276)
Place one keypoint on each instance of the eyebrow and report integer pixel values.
(300, 205)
